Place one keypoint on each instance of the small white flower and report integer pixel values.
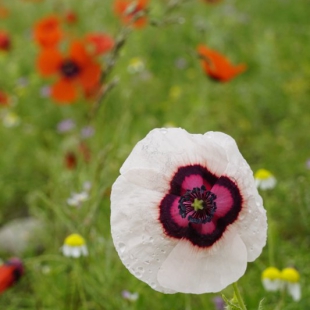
(186, 215)
(130, 296)
(74, 246)
(290, 277)
(264, 179)
(271, 279)
(77, 199)
(136, 65)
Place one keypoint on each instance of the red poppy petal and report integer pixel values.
(64, 91)
(47, 32)
(49, 61)
(101, 42)
(78, 53)
(90, 76)
(6, 277)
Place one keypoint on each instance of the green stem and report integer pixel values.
(238, 296)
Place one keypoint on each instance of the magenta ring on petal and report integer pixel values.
(179, 209)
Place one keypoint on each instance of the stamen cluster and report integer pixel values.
(199, 204)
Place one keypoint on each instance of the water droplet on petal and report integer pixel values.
(153, 284)
(163, 130)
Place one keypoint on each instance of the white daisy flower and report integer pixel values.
(271, 279)
(290, 277)
(264, 179)
(185, 212)
(130, 296)
(74, 246)
(77, 199)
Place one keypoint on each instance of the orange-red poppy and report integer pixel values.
(4, 99)
(5, 41)
(47, 31)
(10, 273)
(70, 160)
(129, 10)
(101, 42)
(77, 70)
(217, 66)
(71, 17)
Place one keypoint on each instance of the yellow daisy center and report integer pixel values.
(263, 174)
(271, 273)
(75, 240)
(290, 275)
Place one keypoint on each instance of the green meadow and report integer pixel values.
(157, 82)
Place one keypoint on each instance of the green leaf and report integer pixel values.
(261, 306)
(231, 305)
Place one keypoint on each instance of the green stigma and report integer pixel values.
(197, 204)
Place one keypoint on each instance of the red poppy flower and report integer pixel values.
(4, 99)
(71, 17)
(217, 66)
(128, 9)
(10, 273)
(47, 32)
(70, 160)
(5, 41)
(76, 70)
(102, 43)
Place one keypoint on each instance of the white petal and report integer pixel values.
(252, 226)
(75, 251)
(294, 290)
(252, 220)
(137, 234)
(271, 285)
(84, 250)
(189, 269)
(66, 250)
(167, 149)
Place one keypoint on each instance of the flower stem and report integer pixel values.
(238, 296)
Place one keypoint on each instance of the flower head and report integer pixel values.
(130, 296)
(74, 246)
(10, 272)
(4, 99)
(76, 199)
(76, 70)
(101, 42)
(264, 179)
(185, 212)
(47, 31)
(217, 66)
(271, 279)
(5, 41)
(65, 125)
(290, 277)
(129, 11)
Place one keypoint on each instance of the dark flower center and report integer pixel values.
(69, 68)
(198, 204)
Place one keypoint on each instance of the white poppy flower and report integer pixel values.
(264, 179)
(185, 212)
(74, 246)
